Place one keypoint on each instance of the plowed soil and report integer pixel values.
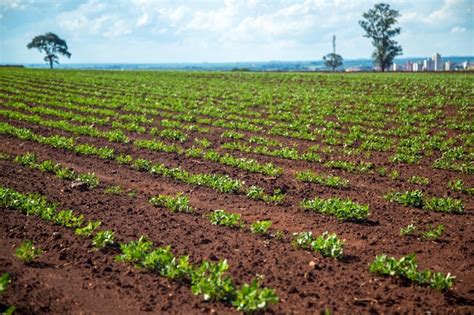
(72, 277)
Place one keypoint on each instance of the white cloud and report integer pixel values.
(93, 18)
(451, 11)
(143, 20)
(14, 4)
(458, 29)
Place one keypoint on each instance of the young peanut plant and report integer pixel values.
(407, 268)
(178, 203)
(342, 209)
(221, 217)
(28, 252)
(326, 244)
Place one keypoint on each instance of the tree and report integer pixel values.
(379, 25)
(333, 60)
(51, 45)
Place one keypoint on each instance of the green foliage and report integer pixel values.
(458, 185)
(124, 159)
(29, 159)
(52, 45)
(103, 239)
(49, 166)
(257, 193)
(326, 244)
(251, 298)
(135, 251)
(434, 234)
(173, 134)
(88, 229)
(408, 230)
(4, 281)
(442, 204)
(408, 199)
(67, 218)
(342, 209)
(114, 190)
(117, 136)
(416, 199)
(28, 252)
(210, 281)
(89, 179)
(419, 180)
(221, 217)
(379, 25)
(260, 227)
(232, 135)
(142, 165)
(407, 268)
(330, 181)
(178, 203)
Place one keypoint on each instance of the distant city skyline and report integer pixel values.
(141, 31)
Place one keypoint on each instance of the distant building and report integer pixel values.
(416, 66)
(395, 67)
(448, 66)
(465, 65)
(427, 65)
(437, 62)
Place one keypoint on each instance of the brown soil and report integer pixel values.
(72, 277)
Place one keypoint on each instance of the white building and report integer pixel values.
(416, 66)
(448, 66)
(427, 65)
(437, 62)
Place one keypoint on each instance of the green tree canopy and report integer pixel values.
(52, 45)
(379, 25)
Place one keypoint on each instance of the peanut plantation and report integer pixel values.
(201, 192)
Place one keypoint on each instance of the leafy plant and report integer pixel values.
(89, 179)
(407, 268)
(326, 244)
(458, 185)
(209, 279)
(88, 229)
(28, 159)
(408, 199)
(103, 239)
(434, 234)
(178, 203)
(330, 181)
(4, 281)
(442, 204)
(251, 298)
(342, 209)
(221, 217)
(419, 180)
(135, 251)
(260, 227)
(114, 190)
(28, 252)
(408, 230)
(67, 218)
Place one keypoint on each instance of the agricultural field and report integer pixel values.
(194, 192)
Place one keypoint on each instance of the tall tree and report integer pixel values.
(51, 45)
(379, 25)
(333, 60)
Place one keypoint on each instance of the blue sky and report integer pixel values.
(146, 31)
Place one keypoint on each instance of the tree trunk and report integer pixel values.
(50, 63)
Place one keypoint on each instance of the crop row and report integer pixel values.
(208, 279)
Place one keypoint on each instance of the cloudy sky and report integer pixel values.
(146, 31)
